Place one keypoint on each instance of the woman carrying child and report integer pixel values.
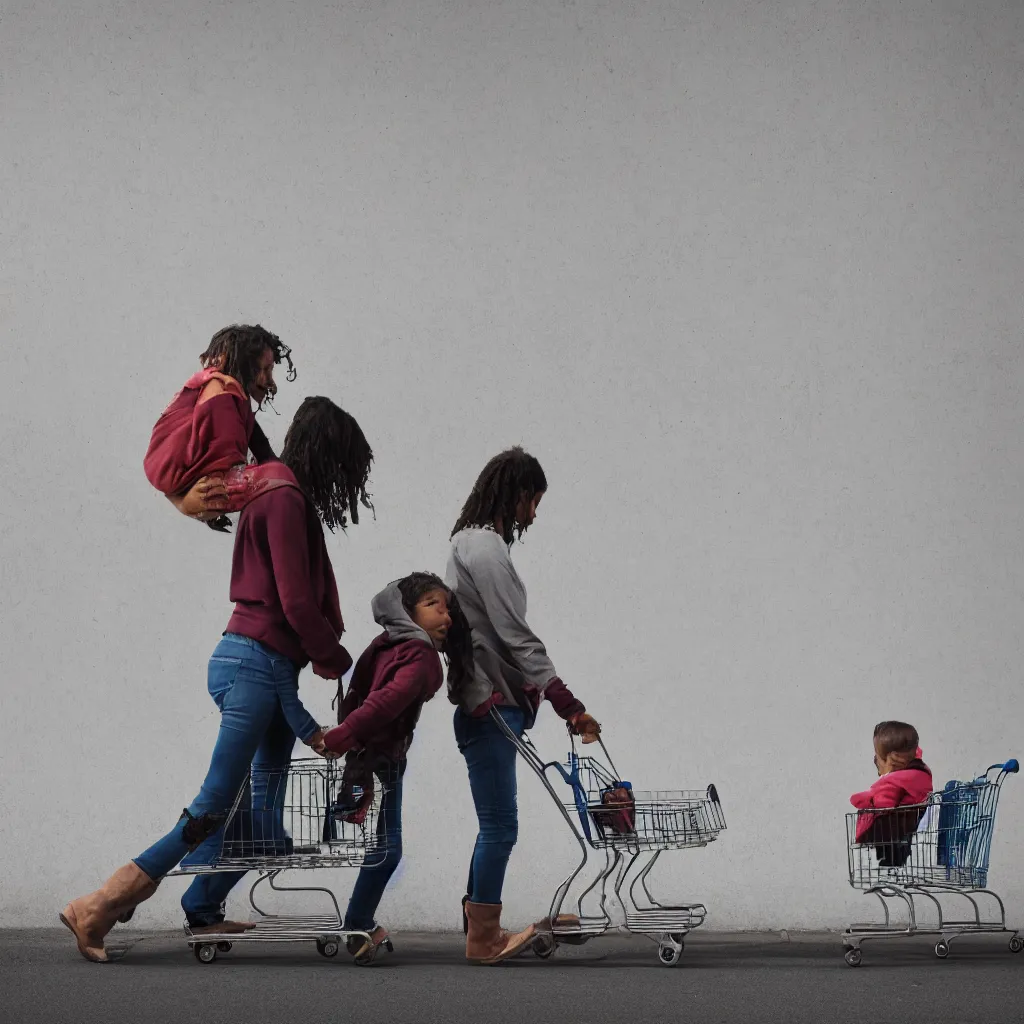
(512, 673)
(286, 615)
(393, 678)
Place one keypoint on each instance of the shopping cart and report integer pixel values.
(928, 856)
(288, 819)
(629, 831)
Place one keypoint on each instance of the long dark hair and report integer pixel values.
(330, 457)
(498, 490)
(458, 645)
(238, 350)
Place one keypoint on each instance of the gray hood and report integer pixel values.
(389, 613)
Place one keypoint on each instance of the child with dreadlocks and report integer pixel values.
(512, 673)
(392, 680)
(209, 426)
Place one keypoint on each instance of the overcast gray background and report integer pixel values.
(746, 277)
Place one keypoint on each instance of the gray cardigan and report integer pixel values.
(506, 652)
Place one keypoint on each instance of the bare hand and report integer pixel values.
(586, 727)
(207, 499)
(316, 742)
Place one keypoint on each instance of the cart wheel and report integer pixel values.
(224, 947)
(669, 956)
(544, 946)
(1016, 944)
(853, 957)
(942, 949)
(205, 954)
(327, 948)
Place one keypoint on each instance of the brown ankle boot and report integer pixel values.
(90, 917)
(486, 943)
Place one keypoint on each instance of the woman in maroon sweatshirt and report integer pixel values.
(393, 678)
(286, 615)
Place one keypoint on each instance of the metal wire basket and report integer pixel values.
(290, 817)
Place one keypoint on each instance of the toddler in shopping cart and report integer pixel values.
(209, 427)
(904, 780)
(392, 680)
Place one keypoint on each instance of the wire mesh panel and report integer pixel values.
(613, 815)
(304, 815)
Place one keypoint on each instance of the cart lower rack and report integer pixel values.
(927, 859)
(625, 832)
(293, 819)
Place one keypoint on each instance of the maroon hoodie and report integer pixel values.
(282, 582)
(191, 440)
(393, 678)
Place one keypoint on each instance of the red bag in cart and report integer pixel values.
(618, 810)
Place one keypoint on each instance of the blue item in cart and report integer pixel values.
(572, 777)
(965, 806)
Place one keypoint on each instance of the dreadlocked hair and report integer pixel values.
(499, 489)
(326, 450)
(458, 645)
(238, 349)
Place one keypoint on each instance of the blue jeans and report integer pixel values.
(491, 760)
(374, 877)
(257, 692)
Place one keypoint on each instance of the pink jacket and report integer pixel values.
(910, 785)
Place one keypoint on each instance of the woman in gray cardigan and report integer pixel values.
(512, 673)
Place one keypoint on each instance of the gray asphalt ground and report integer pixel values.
(720, 978)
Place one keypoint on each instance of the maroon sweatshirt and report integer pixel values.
(393, 678)
(191, 440)
(282, 582)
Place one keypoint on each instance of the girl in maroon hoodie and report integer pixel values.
(393, 678)
(209, 427)
(904, 780)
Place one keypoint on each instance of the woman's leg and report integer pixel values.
(247, 707)
(491, 761)
(374, 877)
(258, 829)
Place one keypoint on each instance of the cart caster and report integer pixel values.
(669, 956)
(544, 947)
(942, 949)
(205, 954)
(224, 947)
(853, 957)
(1016, 944)
(327, 947)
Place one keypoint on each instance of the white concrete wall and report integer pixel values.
(745, 276)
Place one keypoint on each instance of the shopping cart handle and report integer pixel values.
(1011, 766)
